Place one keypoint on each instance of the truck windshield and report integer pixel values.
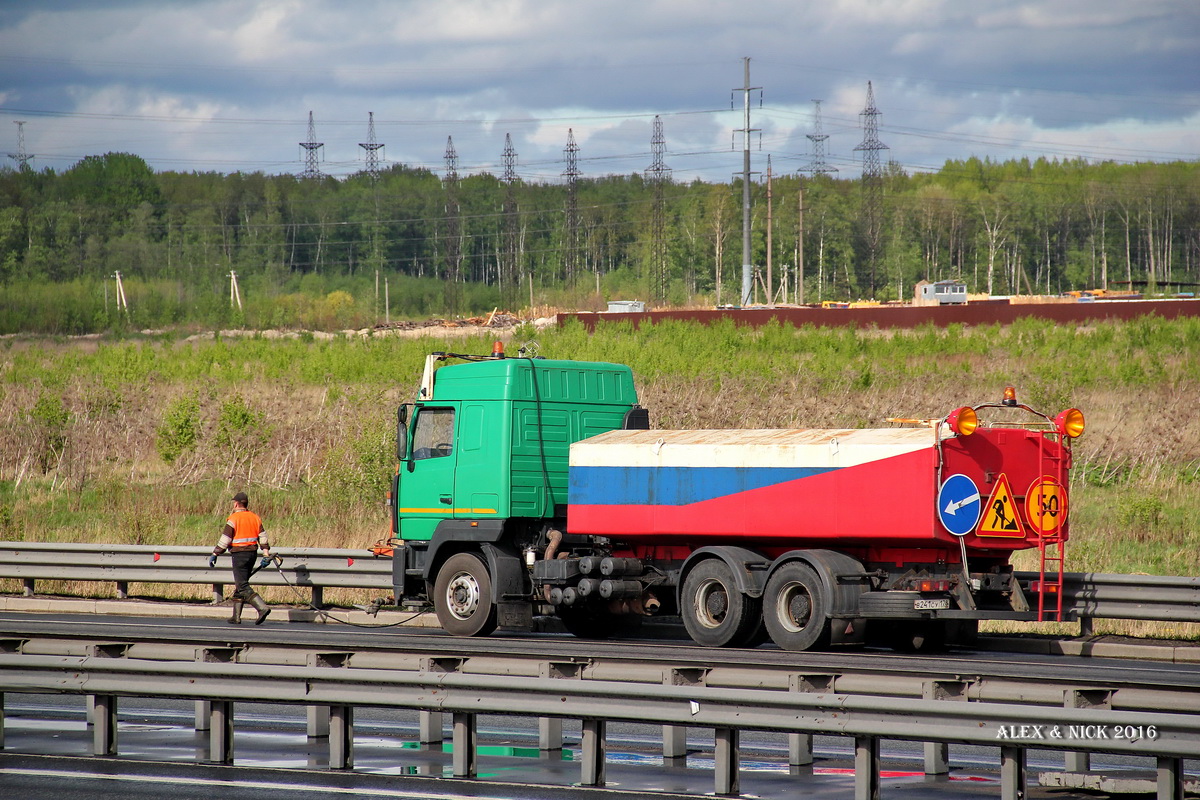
(434, 434)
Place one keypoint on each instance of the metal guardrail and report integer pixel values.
(1086, 595)
(1075, 714)
(311, 567)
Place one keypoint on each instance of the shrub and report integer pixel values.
(179, 431)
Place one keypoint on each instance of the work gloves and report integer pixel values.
(265, 561)
(212, 561)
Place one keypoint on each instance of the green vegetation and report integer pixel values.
(144, 440)
(332, 255)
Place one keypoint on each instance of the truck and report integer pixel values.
(529, 488)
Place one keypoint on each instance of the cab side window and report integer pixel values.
(434, 434)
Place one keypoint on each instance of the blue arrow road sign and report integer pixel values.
(958, 504)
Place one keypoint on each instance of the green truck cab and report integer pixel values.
(481, 479)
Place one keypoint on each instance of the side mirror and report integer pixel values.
(402, 432)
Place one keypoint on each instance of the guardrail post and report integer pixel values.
(218, 593)
(28, 584)
(318, 722)
(220, 732)
(799, 749)
(726, 755)
(122, 590)
(465, 759)
(866, 768)
(675, 744)
(1170, 778)
(203, 714)
(1084, 698)
(592, 752)
(1, 720)
(1012, 773)
(104, 725)
(318, 596)
(937, 754)
(1087, 627)
(550, 736)
(430, 728)
(341, 736)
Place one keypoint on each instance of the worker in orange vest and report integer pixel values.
(242, 536)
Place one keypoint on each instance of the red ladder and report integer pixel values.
(1052, 547)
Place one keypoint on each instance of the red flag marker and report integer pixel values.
(349, 562)
(157, 556)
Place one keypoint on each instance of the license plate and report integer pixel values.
(931, 605)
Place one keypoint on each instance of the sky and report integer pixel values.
(228, 85)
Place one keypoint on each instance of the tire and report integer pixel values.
(796, 608)
(462, 596)
(714, 612)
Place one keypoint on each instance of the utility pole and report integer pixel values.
(312, 151)
(21, 157)
(235, 294)
(800, 247)
(508, 267)
(658, 174)
(770, 282)
(746, 130)
(571, 173)
(372, 149)
(872, 182)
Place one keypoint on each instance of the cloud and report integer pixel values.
(227, 84)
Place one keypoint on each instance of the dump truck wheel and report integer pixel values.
(462, 596)
(714, 612)
(796, 608)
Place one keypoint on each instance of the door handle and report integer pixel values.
(446, 499)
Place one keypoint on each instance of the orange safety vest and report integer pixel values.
(246, 528)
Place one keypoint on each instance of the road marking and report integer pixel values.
(290, 787)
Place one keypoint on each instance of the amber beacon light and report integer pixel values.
(1069, 422)
(963, 421)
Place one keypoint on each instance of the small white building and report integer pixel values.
(941, 293)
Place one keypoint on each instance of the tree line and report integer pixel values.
(412, 242)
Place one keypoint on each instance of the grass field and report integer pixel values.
(144, 440)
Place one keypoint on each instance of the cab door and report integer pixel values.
(426, 481)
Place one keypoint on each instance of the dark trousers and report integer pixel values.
(243, 564)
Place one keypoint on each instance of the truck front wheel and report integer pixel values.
(796, 608)
(462, 596)
(714, 611)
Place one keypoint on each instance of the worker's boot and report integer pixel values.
(236, 619)
(261, 607)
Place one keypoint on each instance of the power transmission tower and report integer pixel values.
(508, 266)
(571, 173)
(312, 151)
(370, 146)
(746, 130)
(816, 164)
(453, 219)
(658, 174)
(21, 157)
(872, 183)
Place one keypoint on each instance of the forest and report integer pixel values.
(332, 254)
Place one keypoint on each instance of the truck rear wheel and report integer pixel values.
(714, 611)
(462, 596)
(796, 608)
